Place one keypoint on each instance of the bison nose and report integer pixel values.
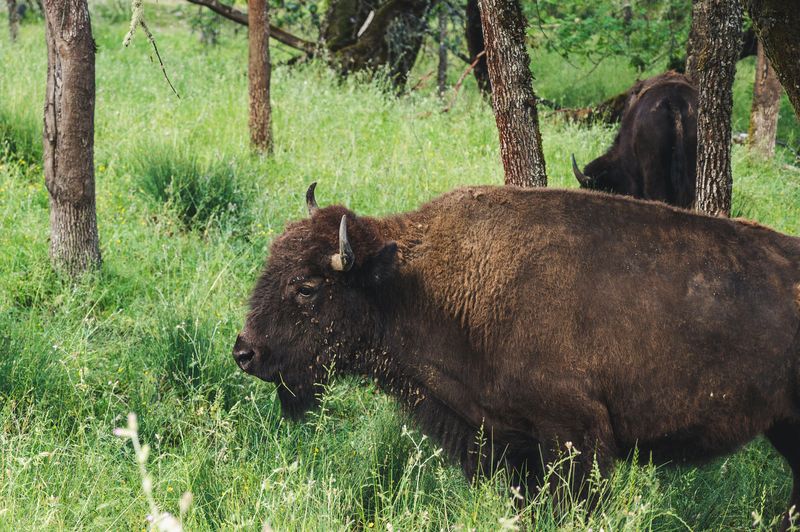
(243, 354)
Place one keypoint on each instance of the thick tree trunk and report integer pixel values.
(475, 45)
(766, 105)
(259, 72)
(513, 98)
(777, 23)
(442, 70)
(69, 136)
(719, 33)
(13, 19)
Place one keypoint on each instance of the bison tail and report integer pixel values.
(677, 172)
(678, 167)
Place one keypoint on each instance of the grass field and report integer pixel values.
(152, 332)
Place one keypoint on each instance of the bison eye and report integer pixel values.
(305, 290)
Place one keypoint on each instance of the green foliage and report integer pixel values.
(644, 32)
(152, 332)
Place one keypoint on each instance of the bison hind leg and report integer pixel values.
(785, 437)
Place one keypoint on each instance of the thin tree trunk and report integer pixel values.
(442, 73)
(719, 33)
(766, 105)
(69, 136)
(13, 19)
(513, 98)
(475, 45)
(259, 72)
(777, 24)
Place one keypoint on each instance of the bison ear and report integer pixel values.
(381, 266)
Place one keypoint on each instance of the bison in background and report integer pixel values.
(544, 320)
(654, 154)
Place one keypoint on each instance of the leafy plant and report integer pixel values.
(645, 32)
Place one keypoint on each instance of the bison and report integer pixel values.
(655, 151)
(543, 319)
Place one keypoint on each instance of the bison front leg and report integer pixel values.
(785, 437)
(572, 454)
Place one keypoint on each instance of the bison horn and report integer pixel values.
(345, 259)
(311, 202)
(582, 178)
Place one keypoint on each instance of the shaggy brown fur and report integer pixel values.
(543, 317)
(655, 152)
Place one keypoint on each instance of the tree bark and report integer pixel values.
(69, 136)
(776, 23)
(766, 105)
(343, 19)
(475, 45)
(513, 98)
(391, 40)
(259, 73)
(718, 30)
(13, 19)
(441, 78)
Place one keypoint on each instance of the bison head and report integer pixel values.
(596, 176)
(316, 304)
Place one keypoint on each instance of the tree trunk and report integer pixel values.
(474, 37)
(69, 136)
(692, 43)
(391, 40)
(442, 73)
(259, 72)
(766, 105)
(13, 19)
(342, 20)
(513, 98)
(718, 38)
(777, 23)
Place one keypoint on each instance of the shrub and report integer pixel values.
(198, 192)
(20, 137)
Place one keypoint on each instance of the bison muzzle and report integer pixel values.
(541, 318)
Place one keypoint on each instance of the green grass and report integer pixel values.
(152, 332)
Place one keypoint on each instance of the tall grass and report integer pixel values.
(151, 333)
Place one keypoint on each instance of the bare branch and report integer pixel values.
(240, 17)
(461, 80)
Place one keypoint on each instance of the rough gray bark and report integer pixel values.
(259, 72)
(13, 19)
(69, 136)
(442, 70)
(776, 23)
(766, 106)
(718, 30)
(513, 98)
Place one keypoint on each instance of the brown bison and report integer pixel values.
(655, 152)
(542, 318)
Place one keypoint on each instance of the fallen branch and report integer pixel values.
(240, 17)
(421, 81)
(461, 79)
